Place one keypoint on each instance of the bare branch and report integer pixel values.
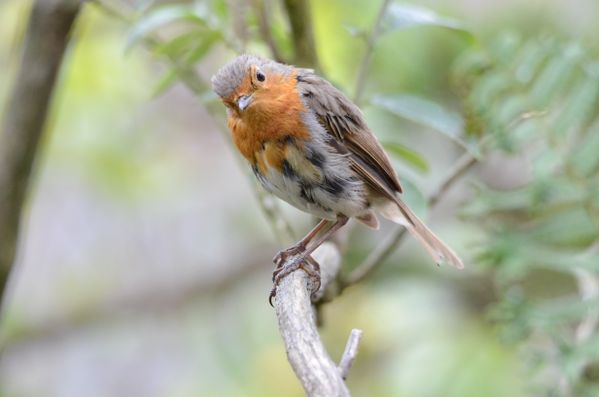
(309, 359)
(350, 352)
(302, 33)
(46, 40)
(121, 307)
(263, 16)
(238, 11)
(370, 44)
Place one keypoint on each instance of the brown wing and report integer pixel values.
(344, 121)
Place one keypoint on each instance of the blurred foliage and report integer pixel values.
(534, 97)
(538, 98)
(435, 89)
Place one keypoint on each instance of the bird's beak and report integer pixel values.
(244, 101)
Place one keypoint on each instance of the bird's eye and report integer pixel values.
(260, 76)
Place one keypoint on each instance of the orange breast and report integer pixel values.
(274, 116)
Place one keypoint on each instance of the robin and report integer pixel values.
(308, 144)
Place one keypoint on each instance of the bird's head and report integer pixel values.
(250, 86)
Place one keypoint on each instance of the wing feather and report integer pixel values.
(344, 121)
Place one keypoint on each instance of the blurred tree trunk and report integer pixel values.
(25, 115)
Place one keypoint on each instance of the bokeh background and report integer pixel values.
(145, 258)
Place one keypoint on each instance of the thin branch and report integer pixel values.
(350, 352)
(461, 166)
(46, 40)
(263, 17)
(378, 256)
(309, 359)
(238, 11)
(118, 307)
(367, 58)
(269, 205)
(302, 33)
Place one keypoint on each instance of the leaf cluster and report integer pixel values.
(538, 100)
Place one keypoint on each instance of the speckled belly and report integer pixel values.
(313, 179)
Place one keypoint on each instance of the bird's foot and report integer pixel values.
(283, 255)
(283, 269)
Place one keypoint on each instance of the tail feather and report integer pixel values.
(398, 212)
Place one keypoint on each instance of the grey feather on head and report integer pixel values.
(230, 76)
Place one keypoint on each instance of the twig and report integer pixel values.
(46, 39)
(238, 11)
(376, 257)
(309, 359)
(302, 33)
(461, 166)
(263, 18)
(366, 59)
(350, 352)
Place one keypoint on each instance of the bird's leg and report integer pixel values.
(339, 223)
(300, 246)
(302, 259)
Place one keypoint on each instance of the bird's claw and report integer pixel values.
(308, 264)
(283, 255)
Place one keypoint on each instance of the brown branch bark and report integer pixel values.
(45, 42)
(302, 33)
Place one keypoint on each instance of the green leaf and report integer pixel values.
(425, 112)
(408, 155)
(585, 160)
(179, 45)
(581, 104)
(165, 15)
(202, 47)
(555, 76)
(404, 16)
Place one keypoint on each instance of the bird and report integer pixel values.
(308, 144)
